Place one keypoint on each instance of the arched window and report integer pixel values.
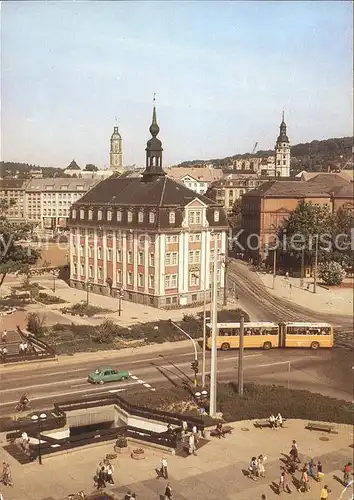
(172, 217)
(141, 216)
(73, 214)
(151, 217)
(119, 216)
(109, 215)
(82, 214)
(99, 215)
(90, 214)
(130, 216)
(216, 215)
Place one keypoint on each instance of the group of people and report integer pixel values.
(193, 438)
(257, 467)
(3, 349)
(23, 348)
(104, 474)
(276, 422)
(6, 476)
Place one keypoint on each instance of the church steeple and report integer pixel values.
(282, 135)
(153, 150)
(282, 152)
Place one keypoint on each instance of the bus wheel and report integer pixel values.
(267, 346)
(225, 347)
(315, 345)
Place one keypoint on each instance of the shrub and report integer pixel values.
(44, 298)
(35, 324)
(106, 332)
(331, 273)
(86, 309)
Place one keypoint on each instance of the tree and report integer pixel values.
(331, 273)
(90, 167)
(35, 324)
(297, 233)
(106, 332)
(342, 227)
(14, 255)
(234, 217)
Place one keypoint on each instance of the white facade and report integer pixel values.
(282, 159)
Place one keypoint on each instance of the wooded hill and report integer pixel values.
(315, 155)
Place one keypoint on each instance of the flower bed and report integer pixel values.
(45, 298)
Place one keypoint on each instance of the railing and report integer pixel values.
(36, 341)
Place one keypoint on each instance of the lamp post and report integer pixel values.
(213, 381)
(120, 297)
(316, 264)
(88, 288)
(55, 275)
(274, 266)
(195, 362)
(38, 419)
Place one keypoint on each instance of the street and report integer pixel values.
(52, 381)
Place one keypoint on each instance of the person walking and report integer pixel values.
(304, 481)
(168, 492)
(319, 467)
(284, 483)
(192, 447)
(4, 336)
(279, 420)
(294, 451)
(348, 469)
(163, 469)
(311, 467)
(6, 474)
(109, 473)
(260, 465)
(325, 492)
(101, 479)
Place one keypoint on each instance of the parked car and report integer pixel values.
(103, 375)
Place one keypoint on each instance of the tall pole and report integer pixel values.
(87, 292)
(316, 263)
(226, 263)
(194, 346)
(240, 355)
(274, 267)
(204, 318)
(213, 370)
(302, 267)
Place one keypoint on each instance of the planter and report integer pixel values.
(138, 454)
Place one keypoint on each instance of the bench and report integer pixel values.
(314, 426)
(259, 424)
(227, 429)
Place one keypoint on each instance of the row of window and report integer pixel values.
(119, 216)
(170, 239)
(109, 255)
(194, 216)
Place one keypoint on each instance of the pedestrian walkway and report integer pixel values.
(217, 472)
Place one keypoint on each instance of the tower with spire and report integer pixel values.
(282, 152)
(116, 151)
(153, 166)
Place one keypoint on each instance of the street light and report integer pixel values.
(39, 418)
(120, 296)
(88, 288)
(195, 362)
(55, 275)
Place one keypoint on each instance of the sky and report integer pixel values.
(222, 73)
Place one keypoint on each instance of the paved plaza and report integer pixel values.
(216, 473)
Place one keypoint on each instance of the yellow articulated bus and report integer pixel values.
(265, 335)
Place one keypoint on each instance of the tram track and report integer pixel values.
(276, 309)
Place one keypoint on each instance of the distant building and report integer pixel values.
(197, 179)
(116, 151)
(73, 169)
(47, 202)
(13, 192)
(282, 152)
(263, 209)
(149, 238)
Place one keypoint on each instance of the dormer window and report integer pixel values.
(99, 215)
(130, 216)
(216, 215)
(82, 214)
(119, 216)
(73, 214)
(151, 217)
(141, 217)
(172, 217)
(90, 215)
(109, 215)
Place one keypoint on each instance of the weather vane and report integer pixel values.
(154, 98)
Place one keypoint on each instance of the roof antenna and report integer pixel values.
(283, 113)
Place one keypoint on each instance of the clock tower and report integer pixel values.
(116, 151)
(282, 152)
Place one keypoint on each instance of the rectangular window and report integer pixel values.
(75, 269)
(130, 278)
(191, 218)
(82, 231)
(74, 249)
(90, 271)
(82, 250)
(99, 273)
(140, 279)
(190, 257)
(151, 217)
(174, 280)
(90, 252)
(99, 252)
(193, 279)
(82, 270)
(130, 257)
(119, 276)
(90, 233)
(198, 217)
(141, 258)
(151, 281)
(152, 260)
(168, 259)
(168, 281)
(119, 255)
(174, 258)
(197, 256)
(109, 254)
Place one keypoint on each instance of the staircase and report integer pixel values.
(18, 454)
